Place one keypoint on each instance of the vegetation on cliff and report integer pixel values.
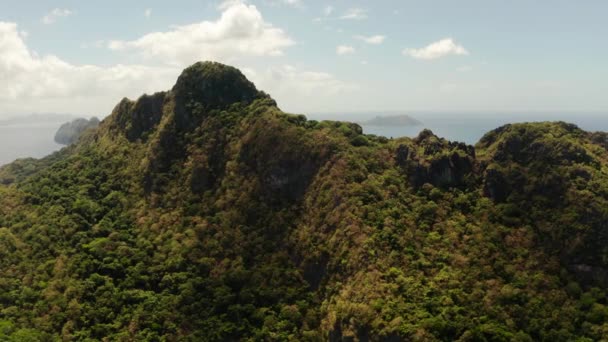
(205, 213)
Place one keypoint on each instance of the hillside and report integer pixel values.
(205, 213)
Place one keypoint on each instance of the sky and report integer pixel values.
(490, 56)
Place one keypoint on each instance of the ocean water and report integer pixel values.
(36, 140)
(465, 127)
(23, 141)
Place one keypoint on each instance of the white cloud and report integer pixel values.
(240, 31)
(46, 83)
(375, 40)
(442, 48)
(289, 77)
(32, 83)
(355, 13)
(55, 14)
(148, 13)
(345, 50)
(292, 87)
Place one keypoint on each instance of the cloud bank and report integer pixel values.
(48, 83)
(32, 82)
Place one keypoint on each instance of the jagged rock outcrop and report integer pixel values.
(436, 161)
(138, 119)
(70, 132)
(205, 88)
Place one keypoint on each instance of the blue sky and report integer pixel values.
(312, 56)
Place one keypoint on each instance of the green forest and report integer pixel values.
(205, 213)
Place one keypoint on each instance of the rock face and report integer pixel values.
(70, 132)
(214, 86)
(437, 162)
(207, 87)
(138, 119)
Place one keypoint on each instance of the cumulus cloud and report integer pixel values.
(47, 83)
(55, 14)
(291, 85)
(375, 40)
(354, 13)
(33, 83)
(303, 91)
(345, 50)
(442, 48)
(240, 31)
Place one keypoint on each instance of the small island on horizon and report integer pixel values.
(71, 131)
(393, 120)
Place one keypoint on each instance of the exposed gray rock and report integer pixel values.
(70, 132)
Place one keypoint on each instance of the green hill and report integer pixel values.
(205, 213)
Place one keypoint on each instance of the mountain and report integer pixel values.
(71, 131)
(393, 120)
(205, 213)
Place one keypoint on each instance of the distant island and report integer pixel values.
(394, 120)
(69, 132)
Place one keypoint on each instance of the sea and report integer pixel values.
(465, 127)
(27, 141)
(35, 140)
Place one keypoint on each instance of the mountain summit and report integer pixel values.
(214, 85)
(205, 213)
